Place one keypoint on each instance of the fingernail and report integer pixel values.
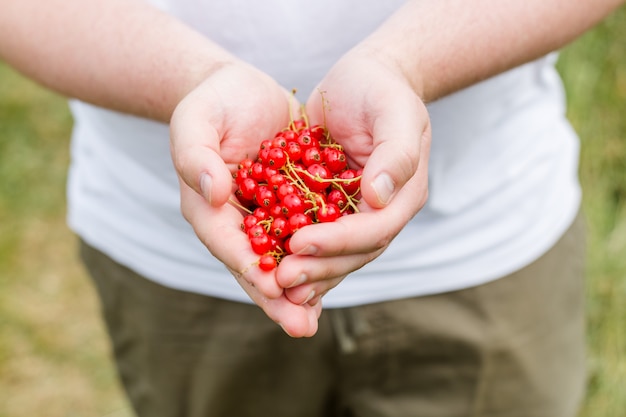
(206, 183)
(383, 187)
(310, 297)
(284, 330)
(313, 302)
(308, 250)
(300, 280)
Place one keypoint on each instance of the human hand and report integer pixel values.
(371, 110)
(218, 124)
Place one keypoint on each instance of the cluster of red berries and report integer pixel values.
(299, 177)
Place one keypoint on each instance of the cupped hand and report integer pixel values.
(217, 125)
(370, 109)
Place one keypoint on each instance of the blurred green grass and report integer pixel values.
(594, 72)
(53, 349)
(54, 355)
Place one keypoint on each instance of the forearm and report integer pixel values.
(443, 46)
(120, 54)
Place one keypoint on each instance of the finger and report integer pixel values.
(299, 320)
(358, 233)
(218, 228)
(295, 270)
(296, 320)
(328, 250)
(230, 245)
(398, 130)
(306, 293)
(195, 148)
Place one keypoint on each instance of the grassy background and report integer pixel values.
(53, 349)
(54, 356)
(594, 71)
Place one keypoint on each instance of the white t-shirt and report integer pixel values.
(503, 168)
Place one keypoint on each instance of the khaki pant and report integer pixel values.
(513, 347)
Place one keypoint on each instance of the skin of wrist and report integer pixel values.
(391, 55)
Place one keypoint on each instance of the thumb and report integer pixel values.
(195, 149)
(398, 135)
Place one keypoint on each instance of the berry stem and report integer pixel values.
(236, 203)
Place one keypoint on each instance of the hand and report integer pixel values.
(370, 109)
(214, 127)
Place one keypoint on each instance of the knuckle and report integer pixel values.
(383, 241)
(407, 161)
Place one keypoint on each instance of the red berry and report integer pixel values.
(261, 213)
(292, 204)
(245, 164)
(328, 213)
(280, 228)
(241, 174)
(264, 196)
(261, 244)
(299, 220)
(279, 141)
(275, 181)
(317, 199)
(249, 222)
(274, 242)
(287, 245)
(294, 151)
(257, 171)
(285, 189)
(311, 156)
(305, 140)
(298, 124)
(338, 198)
(335, 160)
(266, 144)
(276, 158)
(317, 132)
(276, 210)
(267, 262)
(247, 189)
(350, 187)
(269, 172)
(316, 180)
(256, 230)
(289, 135)
(264, 150)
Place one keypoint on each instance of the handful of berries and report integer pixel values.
(299, 177)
